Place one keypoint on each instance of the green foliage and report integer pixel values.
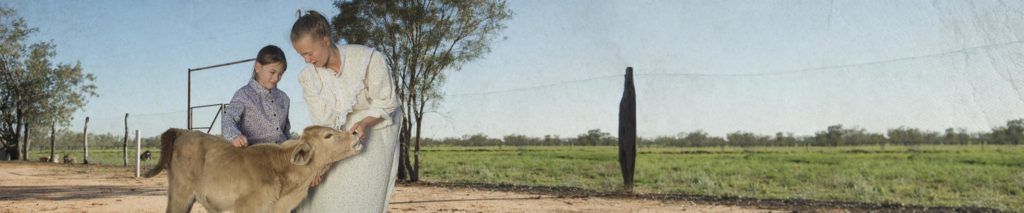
(420, 40)
(34, 91)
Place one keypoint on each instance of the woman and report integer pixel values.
(348, 87)
(258, 112)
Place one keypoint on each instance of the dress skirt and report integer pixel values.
(364, 182)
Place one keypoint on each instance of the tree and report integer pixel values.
(595, 137)
(697, 138)
(1014, 132)
(420, 40)
(34, 90)
(785, 139)
(744, 139)
(906, 136)
(834, 135)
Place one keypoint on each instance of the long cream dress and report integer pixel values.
(362, 183)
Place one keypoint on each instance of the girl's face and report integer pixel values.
(313, 51)
(269, 74)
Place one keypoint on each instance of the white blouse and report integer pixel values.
(364, 89)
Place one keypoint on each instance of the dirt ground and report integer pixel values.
(45, 187)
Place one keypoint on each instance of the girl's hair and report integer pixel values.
(311, 24)
(268, 55)
(271, 54)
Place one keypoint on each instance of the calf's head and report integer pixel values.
(320, 145)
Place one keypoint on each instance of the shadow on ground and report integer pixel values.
(73, 192)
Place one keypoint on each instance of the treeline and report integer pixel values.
(69, 140)
(835, 135)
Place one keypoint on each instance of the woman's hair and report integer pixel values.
(271, 54)
(311, 24)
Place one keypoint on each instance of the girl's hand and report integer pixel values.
(240, 141)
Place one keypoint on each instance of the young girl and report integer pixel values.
(258, 113)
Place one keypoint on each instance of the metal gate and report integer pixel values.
(220, 106)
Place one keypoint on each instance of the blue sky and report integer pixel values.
(718, 66)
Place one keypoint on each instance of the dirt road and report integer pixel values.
(45, 187)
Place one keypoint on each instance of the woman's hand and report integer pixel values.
(240, 141)
(359, 129)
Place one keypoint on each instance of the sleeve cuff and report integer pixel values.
(230, 135)
(379, 113)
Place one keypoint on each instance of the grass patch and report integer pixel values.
(930, 176)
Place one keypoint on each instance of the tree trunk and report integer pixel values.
(403, 154)
(15, 152)
(406, 134)
(407, 166)
(415, 176)
(28, 143)
(402, 174)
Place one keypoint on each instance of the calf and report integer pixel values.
(260, 178)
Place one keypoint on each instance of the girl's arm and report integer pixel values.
(229, 125)
(287, 118)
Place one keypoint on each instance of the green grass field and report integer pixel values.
(931, 176)
(925, 175)
(114, 157)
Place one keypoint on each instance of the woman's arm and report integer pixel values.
(381, 92)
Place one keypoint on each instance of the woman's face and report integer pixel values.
(269, 74)
(313, 51)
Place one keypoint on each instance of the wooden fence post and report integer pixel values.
(85, 135)
(627, 131)
(125, 145)
(53, 142)
(138, 148)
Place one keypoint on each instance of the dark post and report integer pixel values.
(627, 131)
(189, 125)
(125, 142)
(85, 137)
(53, 144)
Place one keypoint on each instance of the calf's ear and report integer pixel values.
(302, 154)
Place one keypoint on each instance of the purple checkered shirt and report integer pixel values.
(258, 113)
